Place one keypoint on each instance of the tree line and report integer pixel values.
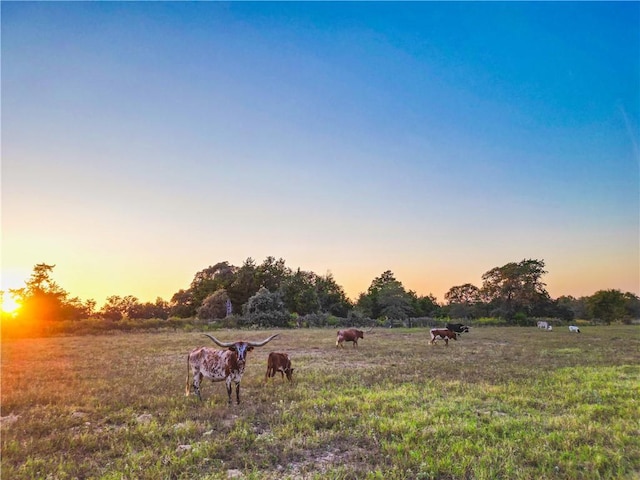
(271, 294)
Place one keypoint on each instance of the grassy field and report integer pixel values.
(501, 403)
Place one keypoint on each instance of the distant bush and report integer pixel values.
(581, 322)
(490, 322)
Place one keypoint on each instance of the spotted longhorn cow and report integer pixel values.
(220, 365)
(349, 335)
(442, 333)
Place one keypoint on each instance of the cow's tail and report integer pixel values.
(187, 390)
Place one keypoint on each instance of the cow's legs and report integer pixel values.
(238, 392)
(197, 378)
(228, 383)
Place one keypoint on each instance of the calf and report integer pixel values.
(574, 329)
(279, 362)
(350, 335)
(442, 333)
(457, 327)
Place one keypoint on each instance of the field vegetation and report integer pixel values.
(500, 403)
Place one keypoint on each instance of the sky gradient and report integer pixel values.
(143, 142)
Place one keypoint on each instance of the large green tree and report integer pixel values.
(464, 301)
(331, 296)
(299, 293)
(607, 305)
(185, 303)
(386, 297)
(272, 272)
(245, 283)
(214, 306)
(517, 289)
(266, 309)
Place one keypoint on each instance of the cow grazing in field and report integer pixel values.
(219, 365)
(543, 325)
(349, 335)
(457, 327)
(574, 329)
(443, 333)
(279, 362)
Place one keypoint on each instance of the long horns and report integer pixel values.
(251, 344)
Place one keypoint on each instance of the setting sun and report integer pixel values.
(8, 304)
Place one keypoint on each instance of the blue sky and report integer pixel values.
(143, 142)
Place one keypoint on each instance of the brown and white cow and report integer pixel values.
(349, 335)
(279, 362)
(443, 333)
(219, 365)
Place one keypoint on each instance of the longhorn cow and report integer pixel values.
(219, 365)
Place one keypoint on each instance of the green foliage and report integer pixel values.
(608, 305)
(266, 309)
(516, 288)
(514, 292)
(490, 322)
(386, 297)
(214, 306)
(299, 294)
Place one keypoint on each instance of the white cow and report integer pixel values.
(574, 329)
(543, 325)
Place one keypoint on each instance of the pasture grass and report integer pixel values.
(501, 403)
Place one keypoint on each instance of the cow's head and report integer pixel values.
(241, 348)
(289, 373)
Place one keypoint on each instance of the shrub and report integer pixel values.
(490, 322)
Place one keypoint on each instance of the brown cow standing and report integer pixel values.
(279, 362)
(442, 333)
(349, 335)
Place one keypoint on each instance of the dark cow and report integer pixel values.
(219, 365)
(457, 327)
(279, 362)
(443, 333)
(349, 335)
